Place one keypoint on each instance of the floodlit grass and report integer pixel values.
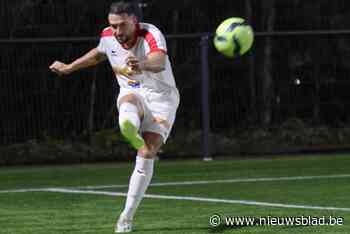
(51, 212)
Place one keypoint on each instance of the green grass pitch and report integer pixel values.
(52, 212)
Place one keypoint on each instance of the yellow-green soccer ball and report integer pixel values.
(233, 37)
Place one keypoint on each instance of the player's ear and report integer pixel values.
(134, 19)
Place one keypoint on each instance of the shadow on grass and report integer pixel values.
(219, 229)
(222, 228)
(171, 229)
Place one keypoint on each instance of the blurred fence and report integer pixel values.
(286, 75)
(37, 104)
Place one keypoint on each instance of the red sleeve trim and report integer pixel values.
(157, 50)
(108, 32)
(152, 43)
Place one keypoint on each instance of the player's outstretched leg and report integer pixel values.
(129, 123)
(138, 184)
(139, 180)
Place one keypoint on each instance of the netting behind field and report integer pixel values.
(289, 93)
(309, 80)
(302, 77)
(38, 104)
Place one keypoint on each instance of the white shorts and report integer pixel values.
(159, 109)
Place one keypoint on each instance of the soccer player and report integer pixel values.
(148, 97)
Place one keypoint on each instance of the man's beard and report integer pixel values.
(122, 39)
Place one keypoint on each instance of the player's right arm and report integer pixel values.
(91, 58)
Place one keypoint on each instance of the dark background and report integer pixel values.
(256, 102)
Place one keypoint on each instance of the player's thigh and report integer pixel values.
(133, 98)
(153, 142)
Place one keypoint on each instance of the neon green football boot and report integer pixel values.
(131, 134)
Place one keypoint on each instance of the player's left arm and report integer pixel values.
(154, 62)
(156, 53)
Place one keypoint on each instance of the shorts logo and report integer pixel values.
(134, 83)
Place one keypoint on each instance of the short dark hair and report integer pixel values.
(118, 8)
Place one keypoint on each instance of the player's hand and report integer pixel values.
(60, 68)
(125, 71)
(134, 63)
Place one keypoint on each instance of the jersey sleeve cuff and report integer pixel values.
(157, 50)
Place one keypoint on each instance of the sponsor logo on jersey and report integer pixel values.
(134, 83)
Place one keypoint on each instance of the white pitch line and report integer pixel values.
(24, 190)
(238, 180)
(202, 199)
(195, 182)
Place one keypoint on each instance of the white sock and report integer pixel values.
(139, 181)
(129, 111)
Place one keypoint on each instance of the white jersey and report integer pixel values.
(148, 39)
(157, 91)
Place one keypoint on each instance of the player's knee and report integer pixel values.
(153, 142)
(148, 151)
